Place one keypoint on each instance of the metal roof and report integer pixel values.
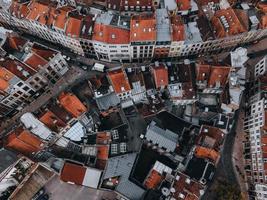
(164, 138)
(121, 166)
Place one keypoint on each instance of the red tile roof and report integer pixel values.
(43, 52)
(35, 61)
(187, 187)
(211, 132)
(235, 26)
(14, 65)
(15, 42)
(103, 138)
(136, 3)
(24, 142)
(213, 74)
(102, 152)
(74, 26)
(178, 31)
(119, 81)
(219, 74)
(19, 9)
(62, 17)
(160, 74)
(110, 34)
(143, 28)
(72, 104)
(153, 180)
(73, 173)
(52, 121)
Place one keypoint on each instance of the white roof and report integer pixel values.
(76, 132)
(35, 126)
(170, 4)
(91, 177)
(160, 168)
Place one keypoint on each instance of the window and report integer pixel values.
(114, 149)
(115, 135)
(123, 147)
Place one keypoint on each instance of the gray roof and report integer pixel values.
(122, 166)
(106, 101)
(164, 138)
(7, 159)
(192, 33)
(163, 25)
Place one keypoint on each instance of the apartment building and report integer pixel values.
(60, 25)
(142, 36)
(260, 67)
(163, 32)
(255, 127)
(153, 34)
(111, 37)
(26, 70)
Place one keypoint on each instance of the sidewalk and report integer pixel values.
(238, 157)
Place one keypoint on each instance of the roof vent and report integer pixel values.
(187, 181)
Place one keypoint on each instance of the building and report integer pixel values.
(212, 79)
(120, 83)
(77, 174)
(26, 70)
(160, 74)
(111, 37)
(143, 36)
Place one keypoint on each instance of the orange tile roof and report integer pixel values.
(183, 4)
(235, 26)
(153, 180)
(203, 152)
(72, 104)
(143, 28)
(103, 138)
(160, 74)
(35, 61)
(178, 31)
(74, 26)
(110, 34)
(119, 81)
(73, 173)
(5, 76)
(102, 152)
(38, 10)
(61, 17)
(52, 121)
(24, 142)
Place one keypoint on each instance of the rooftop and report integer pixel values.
(143, 28)
(226, 23)
(119, 81)
(121, 166)
(72, 104)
